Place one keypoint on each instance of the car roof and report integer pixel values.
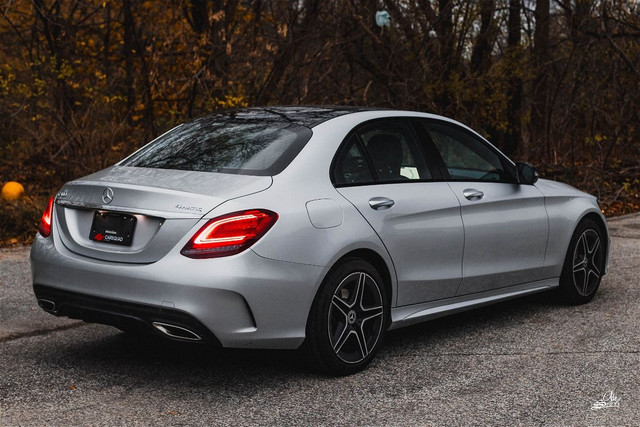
(308, 116)
(312, 116)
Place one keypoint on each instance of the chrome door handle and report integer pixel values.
(381, 203)
(473, 194)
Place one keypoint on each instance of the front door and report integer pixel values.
(499, 215)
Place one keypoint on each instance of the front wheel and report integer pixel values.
(348, 319)
(584, 264)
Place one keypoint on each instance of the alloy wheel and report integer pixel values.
(355, 317)
(587, 262)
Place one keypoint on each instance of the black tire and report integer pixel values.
(347, 320)
(584, 264)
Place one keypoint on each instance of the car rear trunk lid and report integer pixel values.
(162, 204)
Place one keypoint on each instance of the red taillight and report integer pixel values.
(229, 234)
(46, 220)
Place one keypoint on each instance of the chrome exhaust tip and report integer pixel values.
(176, 331)
(47, 305)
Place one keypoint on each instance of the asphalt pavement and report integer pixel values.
(525, 362)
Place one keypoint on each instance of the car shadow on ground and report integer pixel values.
(455, 326)
(107, 350)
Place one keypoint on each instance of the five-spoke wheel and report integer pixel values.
(355, 317)
(584, 264)
(587, 262)
(348, 318)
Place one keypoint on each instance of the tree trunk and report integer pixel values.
(127, 38)
(539, 122)
(481, 54)
(444, 30)
(514, 134)
(136, 47)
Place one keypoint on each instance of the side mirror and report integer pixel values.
(527, 174)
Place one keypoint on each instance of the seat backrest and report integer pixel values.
(386, 154)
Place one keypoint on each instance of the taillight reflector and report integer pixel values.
(46, 220)
(229, 234)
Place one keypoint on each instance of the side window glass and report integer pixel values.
(466, 157)
(351, 166)
(394, 153)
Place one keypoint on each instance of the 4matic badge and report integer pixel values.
(182, 207)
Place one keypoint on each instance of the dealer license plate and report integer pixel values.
(114, 228)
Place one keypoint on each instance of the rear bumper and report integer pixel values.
(242, 301)
(123, 315)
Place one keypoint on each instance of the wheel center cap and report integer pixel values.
(351, 317)
(585, 261)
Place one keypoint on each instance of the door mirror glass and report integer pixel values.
(527, 174)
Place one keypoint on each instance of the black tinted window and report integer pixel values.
(466, 157)
(351, 165)
(394, 152)
(222, 144)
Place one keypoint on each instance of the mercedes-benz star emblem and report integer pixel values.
(107, 195)
(351, 317)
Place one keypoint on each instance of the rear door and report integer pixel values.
(505, 223)
(385, 173)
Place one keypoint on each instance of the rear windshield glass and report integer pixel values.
(223, 144)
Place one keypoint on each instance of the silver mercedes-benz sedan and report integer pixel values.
(311, 227)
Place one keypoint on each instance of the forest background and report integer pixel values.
(84, 83)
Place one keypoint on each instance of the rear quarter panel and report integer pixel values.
(306, 182)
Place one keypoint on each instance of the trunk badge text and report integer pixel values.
(107, 195)
(188, 208)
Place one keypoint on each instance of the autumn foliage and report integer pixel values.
(84, 83)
